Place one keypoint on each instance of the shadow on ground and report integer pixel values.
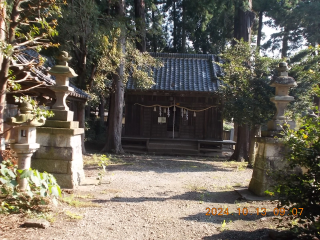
(163, 164)
(260, 234)
(203, 196)
(202, 217)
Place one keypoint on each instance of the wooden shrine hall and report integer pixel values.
(181, 112)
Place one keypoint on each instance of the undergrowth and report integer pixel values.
(41, 190)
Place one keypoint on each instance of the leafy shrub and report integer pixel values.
(103, 163)
(42, 189)
(303, 190)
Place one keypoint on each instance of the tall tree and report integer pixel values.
(25, 24)
(284, 17)
(156, 34)
(247, 91)
(139, 7)
(243, 22)
(3, 83)
(117, 96)
(81, 17)
(261, 7)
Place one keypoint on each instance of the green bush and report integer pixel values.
(42, 189)
(302, 191)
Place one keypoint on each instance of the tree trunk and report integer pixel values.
(3, 89)
(2, 24)
(82, 67)
(115, 117)
(91, 78)
(175, 40)
(14, 18)
(154, 36)
(285, 39)
(3, 73)
(184, 36)
(243, 22)
(140, 24)
(101, 109)
(260, 29)
(117, 97)
(241, 150)
(235, 134)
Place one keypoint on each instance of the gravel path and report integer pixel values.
(154, 197)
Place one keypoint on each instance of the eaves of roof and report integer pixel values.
(39, 72)
(185, 72)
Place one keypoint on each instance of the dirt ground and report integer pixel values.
(156, 197)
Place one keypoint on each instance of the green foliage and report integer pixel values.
(305, 69)
(140, 67)
(39, 113)
(246, 89)
(103, 163)
(74, 202)
(6, 48)
(137, 65)
(41, 189)
(223, 226)
(303, 190)
(286, 16)
(73, 216)
(35, 20)
(156, 35)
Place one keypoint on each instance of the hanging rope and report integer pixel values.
(157, 105)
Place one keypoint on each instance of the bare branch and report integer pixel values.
(27, 42)
(9, 129)
(25, 90)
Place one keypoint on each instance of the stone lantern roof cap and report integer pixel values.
(26, 117)
(62, 67)
(283, 78)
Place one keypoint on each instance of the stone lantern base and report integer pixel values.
(60, 153)
(269, 158)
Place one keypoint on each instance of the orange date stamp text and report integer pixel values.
(258, 211)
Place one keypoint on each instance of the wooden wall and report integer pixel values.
(143, 121)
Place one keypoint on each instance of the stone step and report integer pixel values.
(61, 124)
(66, 131)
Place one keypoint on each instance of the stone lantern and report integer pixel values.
(270, 155)
(60, 152)
(282, 83)
(25, 140)
(62, 72)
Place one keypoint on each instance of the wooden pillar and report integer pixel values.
(141, 127)
(205, 126)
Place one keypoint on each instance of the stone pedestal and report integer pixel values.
(60, 153)
(24, 153)
(269, 159)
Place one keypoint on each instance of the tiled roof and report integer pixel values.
(185, 72)
(39, 72)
